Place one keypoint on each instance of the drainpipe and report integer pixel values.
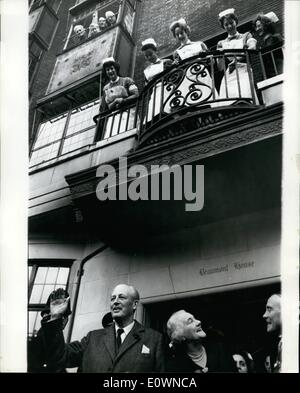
(80, 274)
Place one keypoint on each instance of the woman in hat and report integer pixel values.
(265, 33)
(200, 81)
(156, 66)
(181, 32)
(231, 85)
(118, 93)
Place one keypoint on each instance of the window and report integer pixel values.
(65, 133)
(54, 4)
(35, 54)
(44, 277)
(81, 127)
(129, 15)
(35, 4)
(48, 140)
(86, 25)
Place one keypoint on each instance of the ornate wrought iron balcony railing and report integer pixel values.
(192, 95)
(199, 91)
(195, 85)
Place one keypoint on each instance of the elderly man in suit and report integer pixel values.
(268, 357)
(272, 317)
(125, 346)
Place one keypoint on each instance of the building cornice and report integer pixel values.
(250, 128)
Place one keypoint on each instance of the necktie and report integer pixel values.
(119, 341)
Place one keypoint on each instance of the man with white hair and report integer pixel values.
(110, 18)
(272, 316)
(79, 34)
(102, 23)
(126, 346)
(267, 359)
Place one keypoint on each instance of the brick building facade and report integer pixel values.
(223, 258)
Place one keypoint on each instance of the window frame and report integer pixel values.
(79, 19)
(53, 4)
(65, 136)
(35, 264)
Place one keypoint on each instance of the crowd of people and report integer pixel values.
(235, 82)
(97, 25)
(124, 345)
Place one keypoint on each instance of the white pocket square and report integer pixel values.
(145, 349)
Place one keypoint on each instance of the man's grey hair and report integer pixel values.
(175, 328)
(134, 292)
(276, 294)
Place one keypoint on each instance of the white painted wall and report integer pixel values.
(169, 265)
(48, 187)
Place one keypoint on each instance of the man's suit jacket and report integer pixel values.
(141, 351)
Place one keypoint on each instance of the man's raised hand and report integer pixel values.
(58, 304)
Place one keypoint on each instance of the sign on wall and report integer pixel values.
(239, 269)
(81, 61)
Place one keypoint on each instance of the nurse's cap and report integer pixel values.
(108, 61)
(272, 16)
(226, 12)
(149, 42)
(178, 23)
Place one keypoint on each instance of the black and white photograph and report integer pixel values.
(158, 208)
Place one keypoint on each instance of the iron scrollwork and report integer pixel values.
(188, 85)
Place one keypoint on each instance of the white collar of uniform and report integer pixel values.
(126, 329)
(231, 37)
(114, 82)
(158, 61)
(187, 43)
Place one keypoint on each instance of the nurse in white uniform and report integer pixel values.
(237, 77)
(199, 81)
(118, 94)
(156, 66)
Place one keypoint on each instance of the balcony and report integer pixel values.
(175, 103)
(270, 86)
(193, 96)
